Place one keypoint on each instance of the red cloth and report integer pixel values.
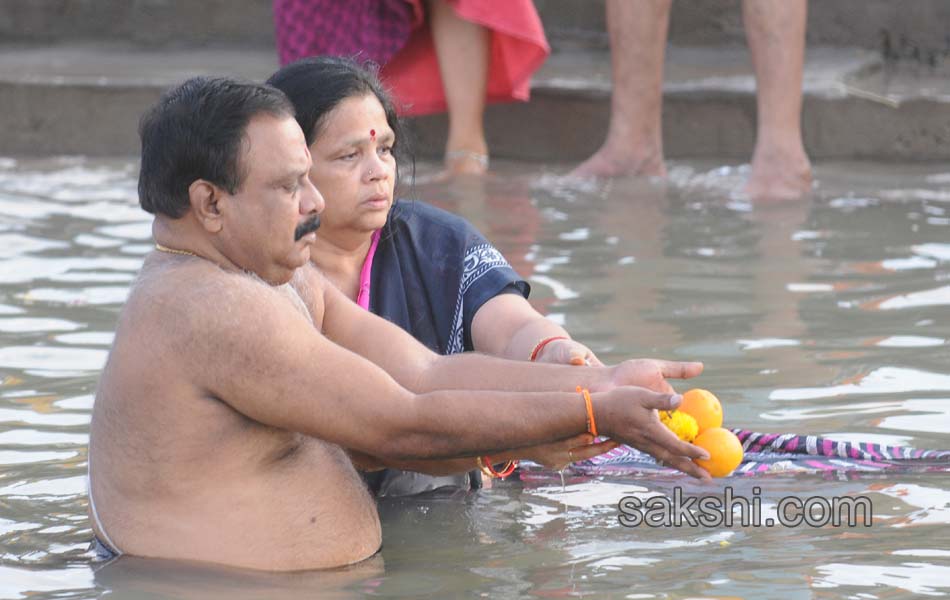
(313, 27)
(518, 49)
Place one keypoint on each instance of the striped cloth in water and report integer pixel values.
(770, 453)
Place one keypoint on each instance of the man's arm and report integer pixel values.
(418, 369)
(274, 367)
(555, 455)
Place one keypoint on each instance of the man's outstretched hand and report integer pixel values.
(629, 415)
(649, 373)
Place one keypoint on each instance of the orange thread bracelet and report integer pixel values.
(540, 346)
(488, 469)
(589, 405)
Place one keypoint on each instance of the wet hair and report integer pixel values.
(318, 84)
(198, 130)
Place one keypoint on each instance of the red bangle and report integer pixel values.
(540, 346)
(489, 469)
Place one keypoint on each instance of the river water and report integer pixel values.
(825, 316)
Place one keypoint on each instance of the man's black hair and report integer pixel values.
(197, 131)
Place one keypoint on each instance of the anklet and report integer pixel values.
(478, 157)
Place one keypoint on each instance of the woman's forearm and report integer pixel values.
(475, 371)
(509, 327)
(526, 339)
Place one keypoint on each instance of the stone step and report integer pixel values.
(855, 106)
(147, 23)
(918, 26)
(87, 99)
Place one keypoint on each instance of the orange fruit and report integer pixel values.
(725, 451)
(703, 406)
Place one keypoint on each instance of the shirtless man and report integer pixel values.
(223, 410)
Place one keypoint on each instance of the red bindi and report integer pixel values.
(372, 134)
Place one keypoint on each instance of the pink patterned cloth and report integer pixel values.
(368, 29)
(395, 35)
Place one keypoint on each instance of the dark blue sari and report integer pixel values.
(431, 273)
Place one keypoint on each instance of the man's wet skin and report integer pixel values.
(216, 485)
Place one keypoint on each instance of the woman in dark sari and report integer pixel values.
(426, 270)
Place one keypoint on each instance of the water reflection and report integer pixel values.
(824, 317)
(49, 360)
(935, 297)
(884, 380)
(137, 578)
(915, 578)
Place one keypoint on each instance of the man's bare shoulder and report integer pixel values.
(190, 303)
(176, 287)
(308, 279)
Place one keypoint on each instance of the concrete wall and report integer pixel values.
(924, 24)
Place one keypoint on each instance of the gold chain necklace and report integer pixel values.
(162, 248)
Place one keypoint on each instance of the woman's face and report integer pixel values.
(354, 167)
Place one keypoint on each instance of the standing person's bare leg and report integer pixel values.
(462, 49)
(776, 33)
(634, 144)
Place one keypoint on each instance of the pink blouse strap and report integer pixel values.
(366, 272)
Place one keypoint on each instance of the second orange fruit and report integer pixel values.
(703, 406)
(725, 451)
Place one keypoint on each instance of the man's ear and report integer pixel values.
(205, 197)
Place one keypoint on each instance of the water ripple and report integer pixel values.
(87, 338)
(16, 244)
(884, 380)
(28, 324)
(935, 297)
(910, 341)
(940, 252)
(33, 582)
(914, 577)
(129, 231)
(45, 358)
(29, 269)
(96, 296)
(14, 457)
(9, 415)
(34, 437)
(46, 488)
(930, 416)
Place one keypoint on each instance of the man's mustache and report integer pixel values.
(310, 225)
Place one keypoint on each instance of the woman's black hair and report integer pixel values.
(316, 85)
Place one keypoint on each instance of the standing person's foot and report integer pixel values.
(608, 162)
(779, 175)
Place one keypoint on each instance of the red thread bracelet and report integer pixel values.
(540, 346)
(509, 468)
